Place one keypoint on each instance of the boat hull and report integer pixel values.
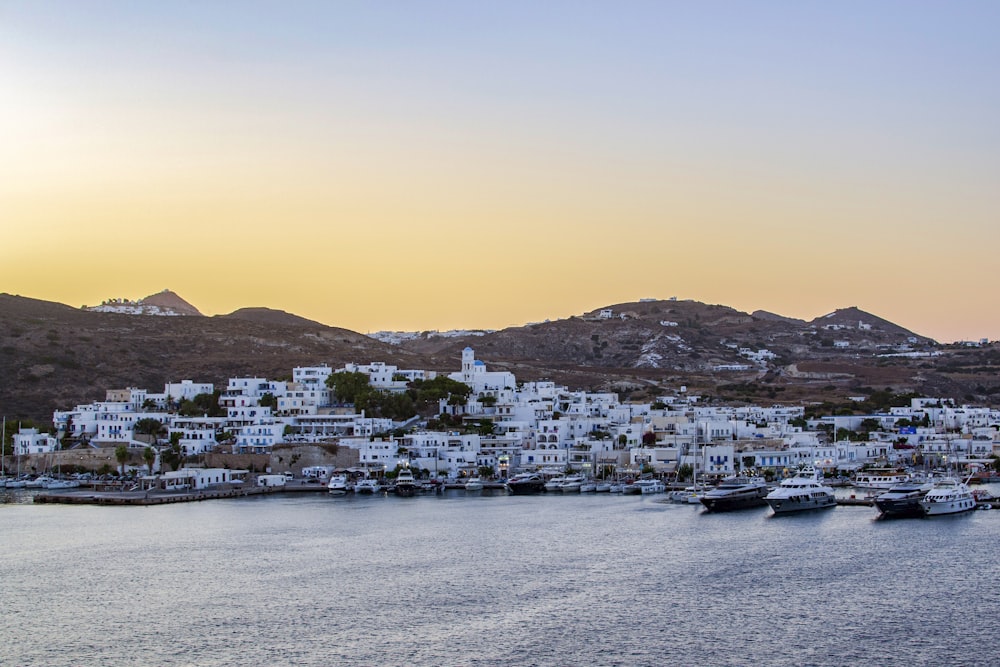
(525, 488)
(947, 507)
(801, 504)
(902, 507)
(405, 490)
(735, 501)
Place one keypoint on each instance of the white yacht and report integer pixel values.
(474, 484)
(879, 478)
(406, 485)
(647, 486)
(801, 492)
(948, 496)
(337, 485)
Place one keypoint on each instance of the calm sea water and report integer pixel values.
(491, 579)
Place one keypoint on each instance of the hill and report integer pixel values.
(270, 316)
(53, 356)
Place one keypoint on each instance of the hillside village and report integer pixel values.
(504, 426)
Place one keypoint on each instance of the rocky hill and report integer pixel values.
(53, 356)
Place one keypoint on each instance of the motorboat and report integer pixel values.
(474, 484)
(631, 489)
(369, 485)
(60, 484)
(801, 492)
(555, 483)
(337, 485)
(603, 487)
(572, 484)
(948, 496)
(736, 493)
(589, 486)
(647, 486)
(406, 485)
(39, 482)
(690, 495)
(879, 478)
(903, 499)
(525, 483)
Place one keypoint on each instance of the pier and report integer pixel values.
(159, 497)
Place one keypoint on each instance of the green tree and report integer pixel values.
(121, 455)
(268, 400)
(202, 404)
(348, 386)
(486, 472)
(149, 456)
(684, 472)
(148, 426)
(171, 456)
(429, 392)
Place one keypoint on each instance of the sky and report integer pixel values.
(438, 165)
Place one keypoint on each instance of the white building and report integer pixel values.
(30, 441)
(186, 390)
(475, 375)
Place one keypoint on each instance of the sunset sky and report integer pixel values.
(436, 165)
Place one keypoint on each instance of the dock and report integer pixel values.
(158, 497)
(867, 501)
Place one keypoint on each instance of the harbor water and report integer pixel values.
(490, 579)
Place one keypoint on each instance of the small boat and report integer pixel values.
(571, 484)
(474, 484)
(39, 482)
(59, 484)
(603, 487)
(555, 483)
(689, 495)
(801, 492)
(369, 485)
(525, 483)
(337, 485)
(948, 496)
(588, 487)
(735, 493)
